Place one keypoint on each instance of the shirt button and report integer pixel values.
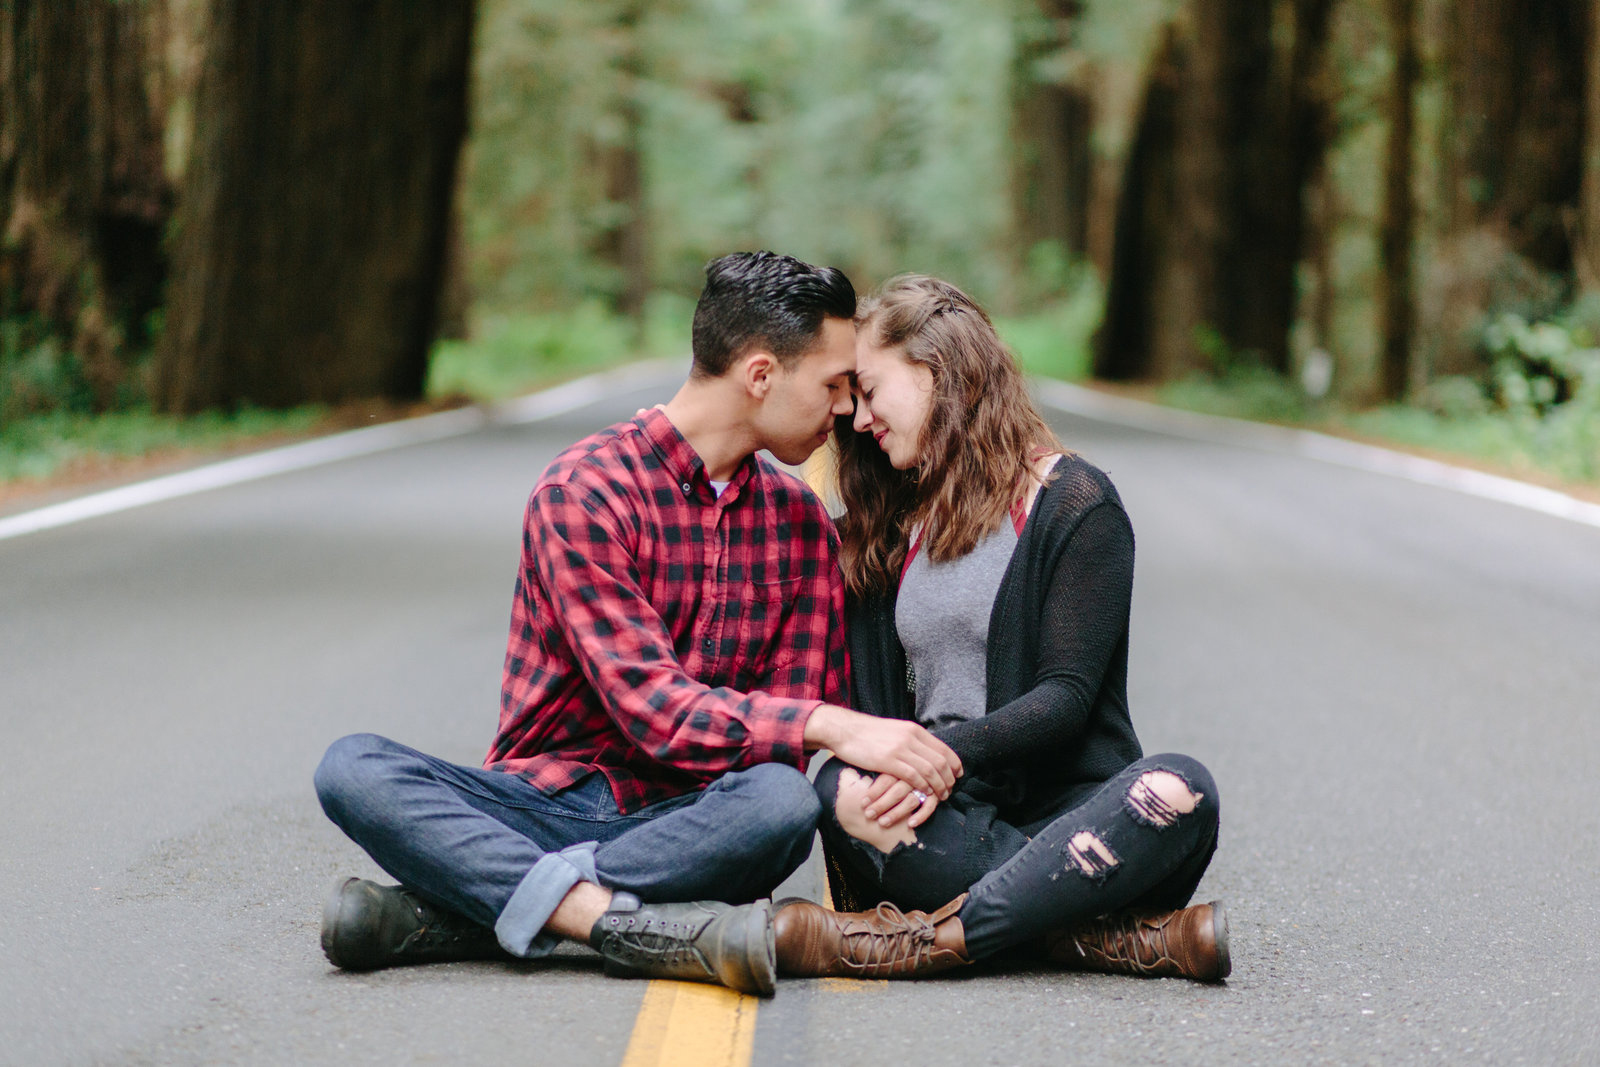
(685, 488)
(707, 644)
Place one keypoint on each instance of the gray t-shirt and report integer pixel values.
(942, 616)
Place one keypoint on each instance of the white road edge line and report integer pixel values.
(1073, 399)
(531, 408)
(1216, 429)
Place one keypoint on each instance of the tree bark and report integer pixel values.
(313, 225)
(624, 243)
(1513, 168)
(83, 196)
(1289, 146)
(1140, 239)
(1395, 306)
(1517, 92)
(1587, 257)
(1211, 220)
(1051, 120)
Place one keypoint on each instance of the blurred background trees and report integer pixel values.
(1302, 201)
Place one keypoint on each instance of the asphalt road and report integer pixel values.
(1397, 688)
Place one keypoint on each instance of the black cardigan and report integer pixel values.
(1057, 723)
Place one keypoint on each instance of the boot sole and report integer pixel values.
(1219, 932)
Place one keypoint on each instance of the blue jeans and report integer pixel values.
(492, 847)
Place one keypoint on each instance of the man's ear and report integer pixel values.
(757, 370)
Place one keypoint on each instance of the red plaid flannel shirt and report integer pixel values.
(661, 635)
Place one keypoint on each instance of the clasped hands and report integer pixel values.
(915, 770)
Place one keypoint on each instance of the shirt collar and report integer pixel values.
(679, 457)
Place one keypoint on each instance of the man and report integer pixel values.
(675, 653)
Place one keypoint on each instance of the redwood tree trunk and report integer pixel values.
(1513, 160)
(315, 215)
(1395, 305)
(1141, 237)
(1587, 257)
(83, 197)
(1051, 121)
(1288, 147)
(624, 244)
(1211, 220)
(1517, 96)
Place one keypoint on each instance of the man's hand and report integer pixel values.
(889, 800)
(886, 746)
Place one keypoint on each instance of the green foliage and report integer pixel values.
(1543, 366)
(870, 136)
(37, 374)
(511, 354)
(1245, 391)
(1538, 414)
(37, 446)
(1055, 341)
(1238, 385)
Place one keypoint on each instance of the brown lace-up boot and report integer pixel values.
(1192, 943)
(886, 942)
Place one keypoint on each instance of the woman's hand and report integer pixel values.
(889, 800)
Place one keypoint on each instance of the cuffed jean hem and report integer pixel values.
(520, 927)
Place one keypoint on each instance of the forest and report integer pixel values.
(1380, 217)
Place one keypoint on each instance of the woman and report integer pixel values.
(991, 572)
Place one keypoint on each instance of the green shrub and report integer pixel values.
(37, 446)
(511, 354)
(1055, 341)
(37, 374)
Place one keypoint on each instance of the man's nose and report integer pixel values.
(843, 405)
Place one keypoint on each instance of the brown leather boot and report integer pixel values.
(1192, 943)
(886, 942)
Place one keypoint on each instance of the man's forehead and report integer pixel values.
(835, 351)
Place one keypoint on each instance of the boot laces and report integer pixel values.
(1128, 939)
(902, 943)
(439, 928)
(668, 942)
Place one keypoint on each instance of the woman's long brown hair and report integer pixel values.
(978, 444)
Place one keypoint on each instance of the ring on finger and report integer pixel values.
(922, 798)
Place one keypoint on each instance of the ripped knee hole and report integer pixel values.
(850, 808)
(1158, 798)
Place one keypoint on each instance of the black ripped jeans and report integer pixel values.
(1026, 880)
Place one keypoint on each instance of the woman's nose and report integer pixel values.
(863, 417)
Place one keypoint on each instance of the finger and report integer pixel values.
(946, 763)
(939, 780)
(903, 809)
(880, 785)
(923, 813)
(918, 772)
(881, 800)
(892, 796)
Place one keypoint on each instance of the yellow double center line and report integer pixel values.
(687, 1024)
(693, 1025)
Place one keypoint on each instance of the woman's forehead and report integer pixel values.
(869, 355)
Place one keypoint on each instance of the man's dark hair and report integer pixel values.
(763, 299)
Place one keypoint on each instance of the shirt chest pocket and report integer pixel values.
(765, 610)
